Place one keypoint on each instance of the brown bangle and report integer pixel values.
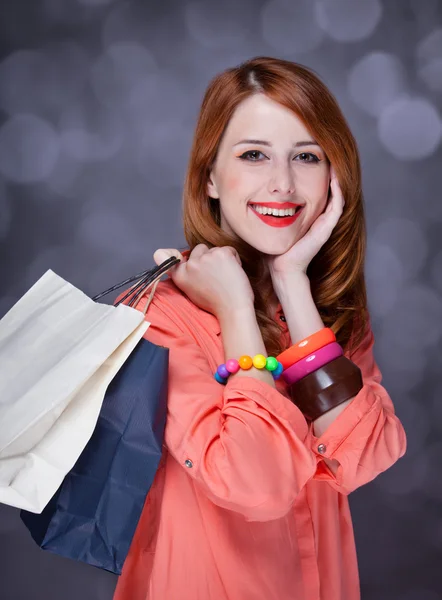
(327, 387)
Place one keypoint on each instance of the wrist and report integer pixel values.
(290, 284)
(236, 313)
(299, 308)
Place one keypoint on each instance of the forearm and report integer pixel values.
(241, 335)
(303, 319)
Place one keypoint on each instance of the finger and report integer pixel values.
(237, 256)
(198, 251)
(233, 251)
(337, 194)
(163, 254)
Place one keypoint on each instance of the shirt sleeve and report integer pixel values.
(242, 443)
(367, 437)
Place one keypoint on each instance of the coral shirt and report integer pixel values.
(243, 507)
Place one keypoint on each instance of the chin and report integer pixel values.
(272, 248)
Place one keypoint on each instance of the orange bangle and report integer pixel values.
(310, 344)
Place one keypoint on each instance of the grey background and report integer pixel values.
(98, 101)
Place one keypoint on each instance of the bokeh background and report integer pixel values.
(98, 101)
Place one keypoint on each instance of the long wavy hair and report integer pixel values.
(336, 273)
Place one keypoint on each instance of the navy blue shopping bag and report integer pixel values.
(93, 515)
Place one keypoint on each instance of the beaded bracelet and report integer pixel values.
(247, 362)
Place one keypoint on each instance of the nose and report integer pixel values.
(281, 180)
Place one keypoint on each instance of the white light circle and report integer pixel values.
(410, 128)
(220, 25)
(29, 149)
(290, 29)
(347, 20)
(384, 274)
(429, 56)
(407, 240)
(375, 81)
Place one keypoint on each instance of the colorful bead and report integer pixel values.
(277, 372)
(222, 371)
(259, 361)
(219, 378)
(232, 365)
(245, 362)
(271, 363)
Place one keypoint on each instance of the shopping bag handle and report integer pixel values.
(145, 279)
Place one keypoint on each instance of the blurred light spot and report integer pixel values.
(348, 21)
(383, 284)
(404, 364)
(290, 29)
(90, 135)
(105, 229)
(163, 152)
(64, 175)
(429, 55)
(375, 81)
(5, 212)
(42, 81)
(410, 129)
(431, 74)
(415, 323)
(219, 25)
(118, 70)
(406, 239)
(85, 146)
(29, 149)
(159, 97)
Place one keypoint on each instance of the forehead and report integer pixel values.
(259, 116)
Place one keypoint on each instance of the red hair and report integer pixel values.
(336, 273)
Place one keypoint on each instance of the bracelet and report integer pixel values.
(312, 362)
(247, 362)
(306, 346)
(327, 387)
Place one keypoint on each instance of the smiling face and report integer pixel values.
(268, 157)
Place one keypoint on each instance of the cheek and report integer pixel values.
(231, 183)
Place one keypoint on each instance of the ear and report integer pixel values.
(211, 187)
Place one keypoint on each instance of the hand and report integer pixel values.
(298, 257)
(212, 278)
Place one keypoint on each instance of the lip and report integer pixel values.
(277, 221)
(278, 205)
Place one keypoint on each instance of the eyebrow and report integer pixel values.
(264, 143)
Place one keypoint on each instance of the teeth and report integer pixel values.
(264, 210)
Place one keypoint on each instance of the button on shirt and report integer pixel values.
(243, 506)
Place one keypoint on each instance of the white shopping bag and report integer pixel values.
(59, 350)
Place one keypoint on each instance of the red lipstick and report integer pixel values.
(277, 221)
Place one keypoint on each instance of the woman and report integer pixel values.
(250, 500)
